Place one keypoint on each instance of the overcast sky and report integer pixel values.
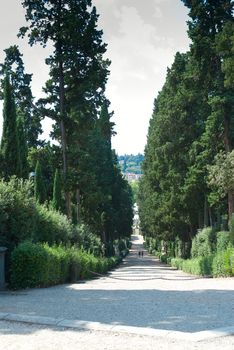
(142, 36)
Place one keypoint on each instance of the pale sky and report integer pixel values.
(143, 37)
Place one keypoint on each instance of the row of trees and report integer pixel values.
(79, 173)
(189, 157)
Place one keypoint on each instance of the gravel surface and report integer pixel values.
(142, 292)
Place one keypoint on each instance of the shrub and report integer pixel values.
(204, 243)
(223, 263)
(51, 226)
(223, 239)
(17, 212)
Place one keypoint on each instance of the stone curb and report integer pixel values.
(97, 326)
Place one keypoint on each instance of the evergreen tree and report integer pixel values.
(57, 192)
(39, 185)
(77, 69)
(23, 149)
(10, 141)
(21, 84)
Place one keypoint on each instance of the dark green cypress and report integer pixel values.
(10, 142)
(39, 189)
(57, 192)
(23, 149)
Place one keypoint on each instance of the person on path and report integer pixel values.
(142, 253)
(139, 253)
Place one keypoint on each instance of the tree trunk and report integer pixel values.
(228, 148)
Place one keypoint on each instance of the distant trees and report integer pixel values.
(191, 123)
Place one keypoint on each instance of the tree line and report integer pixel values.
(188, 180)
(78, 174)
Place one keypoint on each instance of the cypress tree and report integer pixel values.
(39, 186)
(57, 193)
(23, 149)
(10, 142)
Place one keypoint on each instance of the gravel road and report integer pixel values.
(141, 293)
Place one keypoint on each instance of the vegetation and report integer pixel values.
(39, 265)
(188, 167)
(130, 163)
(76, 194)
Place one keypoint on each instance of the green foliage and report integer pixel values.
(130, 163)
(223, 263)
(204, 243)
(10, 141)
(39, 185)
(23, 148)
(21, 83)
(57, 192)
(51, 226)
(37, 265)
(223, 240)
(135, 190)
(197, 266)
(18, 214)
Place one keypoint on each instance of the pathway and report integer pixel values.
(142, 296)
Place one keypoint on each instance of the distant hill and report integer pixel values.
(130, 163)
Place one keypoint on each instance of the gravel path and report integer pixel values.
(141, 293)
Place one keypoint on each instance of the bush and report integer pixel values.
(204, 243)
(223, 263)
(223, 240)
(51, 226)
(17, 212)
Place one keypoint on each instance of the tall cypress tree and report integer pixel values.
(39, 184)
(57, 192)
(23, 148)
(10, 141)
(21, 84)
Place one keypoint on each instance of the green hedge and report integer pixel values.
(217, 265)
(197, 266)
(223, 264)
(38, 265)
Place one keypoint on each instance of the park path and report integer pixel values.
(140, 294)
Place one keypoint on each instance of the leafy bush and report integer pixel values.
(17, 212)
(51, 226)
(204, 243)
(223, 263)
(223, 239)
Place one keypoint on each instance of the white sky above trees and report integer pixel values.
(143, 37)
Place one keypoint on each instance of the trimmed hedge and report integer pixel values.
(197, 266)
(217, 265)
(38, 265)
(223, 263)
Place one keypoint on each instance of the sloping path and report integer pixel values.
(139, 297)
